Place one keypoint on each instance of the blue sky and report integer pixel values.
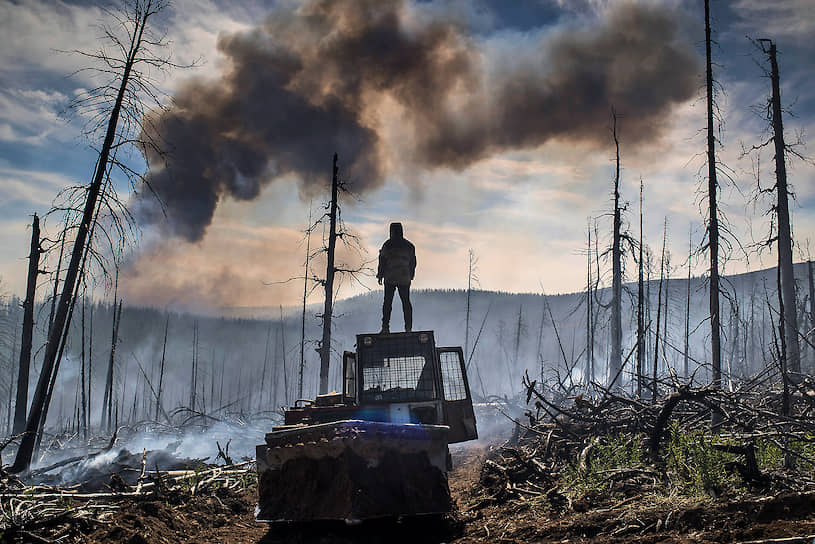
(523, 209)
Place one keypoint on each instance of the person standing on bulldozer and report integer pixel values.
(397, 266)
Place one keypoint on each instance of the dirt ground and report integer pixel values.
(228, 517)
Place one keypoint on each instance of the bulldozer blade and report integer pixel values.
(352, 470)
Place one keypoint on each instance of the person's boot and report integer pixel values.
(385, 329)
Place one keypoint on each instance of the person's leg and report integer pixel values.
(387, 306)
(407, 308)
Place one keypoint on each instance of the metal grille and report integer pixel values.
(452, 379)
(398, 379)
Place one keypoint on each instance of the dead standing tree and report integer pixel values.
(336, 231)
(330, 270)
(620, 237)
(640, 308)
(28, 328)
(615, 362)
(789, 317)
(713, 223)
(713, 218)
(121, 97)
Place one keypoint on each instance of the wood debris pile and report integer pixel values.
(571, 448)
(50, 513)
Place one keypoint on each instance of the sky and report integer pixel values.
(481, 125)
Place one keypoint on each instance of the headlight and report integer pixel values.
(423, 338)
(368, 341)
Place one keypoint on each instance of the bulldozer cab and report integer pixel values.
(405, 378)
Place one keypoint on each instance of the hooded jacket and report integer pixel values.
(397, 258)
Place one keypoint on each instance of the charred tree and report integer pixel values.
(811, 303)
(471, 264)
(654, 373)
(109, 401)
(615, 362)
(640, 309)
(783, 214)
(518, 331)
(56, 280)
(686, 353)
(265, 365)
(713, 219)
(303, 316)
(666, 308)
(83, 377)
(283, 350)
(589, 314)
(161, 368)
(330, 270)
(90, 361)
(194, 366)
(24, 367)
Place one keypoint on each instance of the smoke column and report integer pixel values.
(395, 86)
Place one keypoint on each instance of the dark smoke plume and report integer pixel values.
(389, 84)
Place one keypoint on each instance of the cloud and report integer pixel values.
(778, 19)
(30, 116)
(36, 188)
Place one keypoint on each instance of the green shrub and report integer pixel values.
(697, 465)
(607, 455)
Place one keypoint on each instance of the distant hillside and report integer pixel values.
(518, 335)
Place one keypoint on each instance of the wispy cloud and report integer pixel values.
(779, 18)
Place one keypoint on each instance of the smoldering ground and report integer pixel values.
(394, 87)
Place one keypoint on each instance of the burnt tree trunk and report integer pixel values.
(325, 345)
(24, 368)
(686, 354)
(811, 305)
(713, 220)
(265, 367)
(303, 316)
(654, 386)
(194, 366)
(111, 419)
(161, 367)
(283, 351)
(640, 311)
(83, 377)
(589, 316)
(784, 233)
(615, 362)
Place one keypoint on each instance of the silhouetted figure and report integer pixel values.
(397, 265)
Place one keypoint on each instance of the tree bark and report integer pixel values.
(686, 354)
(640, 312)
(265, 366)
(589, 316)
(285, 368)
(108, 401)
(24, 368)
(784, 232)
(161, 367)
(303, 317)
(811, 306)
(325, 345)
(615, 362)
(83, 377)
(654, 385)
(713, 221)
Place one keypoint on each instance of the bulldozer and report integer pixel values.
(380, 448)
